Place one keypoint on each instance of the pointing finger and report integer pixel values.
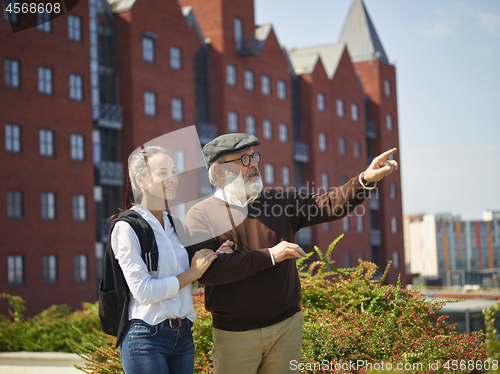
(384, 156)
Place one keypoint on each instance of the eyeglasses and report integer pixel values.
(245, 159)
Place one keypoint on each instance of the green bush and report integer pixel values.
(48, 331)
(348, 318)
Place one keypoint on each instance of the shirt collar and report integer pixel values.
(230, 199)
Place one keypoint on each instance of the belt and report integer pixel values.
(175, 322)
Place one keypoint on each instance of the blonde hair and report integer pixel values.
(139, 163)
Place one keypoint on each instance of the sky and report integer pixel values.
(447, 58)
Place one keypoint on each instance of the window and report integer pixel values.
(81, 268)
(12, 73)
(354, 112)
(77, 147)
(47, 143)
(43, 21)
(74, 28)
(13, 138)
(79, 208)
(231, 75)
(269, 173)
(50, 269)
(238, 33)
(251, 125)
(281, 90)
(387, 88)
(283, 133)
(393, 191)
(15, 269)
(347, 259)
(96, 146)
(248, 80)
(345, 224)
(286, 176)
(394, 225)
(342, 150)
(343, 180)
(388, 122)
(150, 104)
(357, 150)
(340, 108)
(265, 83)
(15, 204)
(360, 223)
(324, 181)
(177, 112)
(148, 49)
(13, 17)
(175, 58)
(322, 142)
(45, 81)
(320, 98)
(180, 161)
(75, 87)
(326, 226)
(48, 205)
(395, 259)
(268, 129)
(232, 119)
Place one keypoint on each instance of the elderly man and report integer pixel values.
(254, 293)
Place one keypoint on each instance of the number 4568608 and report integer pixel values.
(33, 8)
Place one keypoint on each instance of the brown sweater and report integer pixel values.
(244, 290)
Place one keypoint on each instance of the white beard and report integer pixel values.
(237, 186)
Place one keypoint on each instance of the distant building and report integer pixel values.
(80, 93)
(447, 251)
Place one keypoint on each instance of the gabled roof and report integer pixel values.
(119, 6)
(261, 33)
(187, 12)
(304, 59)
(360, 36)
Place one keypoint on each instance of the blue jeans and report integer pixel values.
(159, 349)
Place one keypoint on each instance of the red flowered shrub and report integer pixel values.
(352, 324)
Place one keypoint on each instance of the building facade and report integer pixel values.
(448, 251)
(80, 93)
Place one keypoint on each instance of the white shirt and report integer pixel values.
(155, 296)
(229, 198)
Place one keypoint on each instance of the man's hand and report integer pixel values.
(381, 166)
(287, 250)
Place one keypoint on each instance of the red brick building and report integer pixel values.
(321, 114)
(47, 226)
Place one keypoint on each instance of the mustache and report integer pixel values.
(252, 173)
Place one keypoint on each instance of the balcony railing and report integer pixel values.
(304, 236)
(206, 132)
(370, 130)
(300, 152)
(248, 46)
(109, 173)
(375, 237)
(109, 115)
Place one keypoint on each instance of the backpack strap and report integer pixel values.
(149, 248)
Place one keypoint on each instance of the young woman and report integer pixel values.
(161, 313)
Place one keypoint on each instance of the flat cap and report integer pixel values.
(227, 144)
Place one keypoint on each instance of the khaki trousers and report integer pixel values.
(268, 350)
